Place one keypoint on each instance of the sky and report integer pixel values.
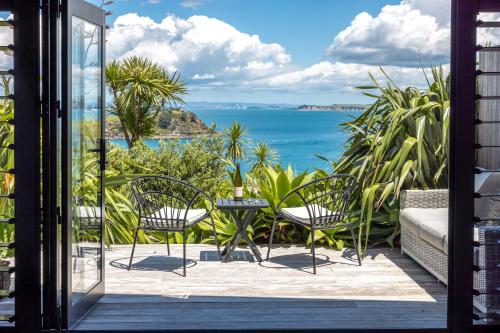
(283, 51)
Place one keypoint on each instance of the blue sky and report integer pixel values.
(277, 51)
(304, 27)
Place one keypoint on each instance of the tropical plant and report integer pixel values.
(140, 89)
(274, 184)
(399, 142)
(235, 142)
(263, 156)
(121, 217)
(7, 179)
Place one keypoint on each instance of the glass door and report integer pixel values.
(83, 154)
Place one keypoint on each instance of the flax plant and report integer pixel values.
(400, 142)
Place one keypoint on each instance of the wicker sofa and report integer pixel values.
(424, 229)
(424, 222)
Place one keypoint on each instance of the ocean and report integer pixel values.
(297, 136)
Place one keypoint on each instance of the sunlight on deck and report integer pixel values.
(389, 290)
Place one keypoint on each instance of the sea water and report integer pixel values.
(297, 136)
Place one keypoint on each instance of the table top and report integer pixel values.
(250, 203)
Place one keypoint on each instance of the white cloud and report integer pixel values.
(194, 4)
(213, 55)
(406, 34)
(487, 36)
(439, 9)
(6, 38)
(333, 77)
(199, 47)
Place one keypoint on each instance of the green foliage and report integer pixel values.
(165, 119)
(400, 142)
(235, 142)
(140, 89)
(7, 180)
(198, 161)
(263, 156)
(273, 185)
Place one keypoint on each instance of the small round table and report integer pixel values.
(250, 206)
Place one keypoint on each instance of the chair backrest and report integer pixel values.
(163, 202)
(327, 199)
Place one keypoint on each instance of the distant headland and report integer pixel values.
(334, 107)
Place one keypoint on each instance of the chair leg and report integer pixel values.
(133, 248)
(168, 243)
(313, 250)
(355, 244)
(215, 236)
(184, 251)
(271, 237)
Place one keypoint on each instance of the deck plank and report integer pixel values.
(388, 291)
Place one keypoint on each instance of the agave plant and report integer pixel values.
(274, 184)
(399, 142)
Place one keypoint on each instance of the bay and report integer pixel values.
(297, 136)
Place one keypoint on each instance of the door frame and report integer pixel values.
(71, 312)
(27, 88)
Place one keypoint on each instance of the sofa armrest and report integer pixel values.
(424, 199)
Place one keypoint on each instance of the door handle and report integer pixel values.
(102, 152)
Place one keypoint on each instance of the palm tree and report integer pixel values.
(235, 142)
(264, 156)
(140, 89)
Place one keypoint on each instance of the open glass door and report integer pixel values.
(83, 154)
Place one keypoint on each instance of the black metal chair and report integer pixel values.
(167, 204)
(319, 205)
(87, 223)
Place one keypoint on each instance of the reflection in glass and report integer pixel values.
(85, 135)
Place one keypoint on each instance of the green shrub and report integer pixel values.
(400, 142)
(198, 161)
(165, 119)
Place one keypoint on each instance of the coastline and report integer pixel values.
(326, 110)
(169, 136)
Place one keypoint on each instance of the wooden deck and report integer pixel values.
(388, 291)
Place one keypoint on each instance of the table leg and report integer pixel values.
(243, 225)
(234, 242)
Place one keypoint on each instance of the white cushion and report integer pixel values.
(85, 212)
(412, 218)
(487, 183)
(169, 213)
(301, 214)
(434, 233)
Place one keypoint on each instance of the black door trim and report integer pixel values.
(95, 15)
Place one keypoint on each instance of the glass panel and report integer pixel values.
(85, 131)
